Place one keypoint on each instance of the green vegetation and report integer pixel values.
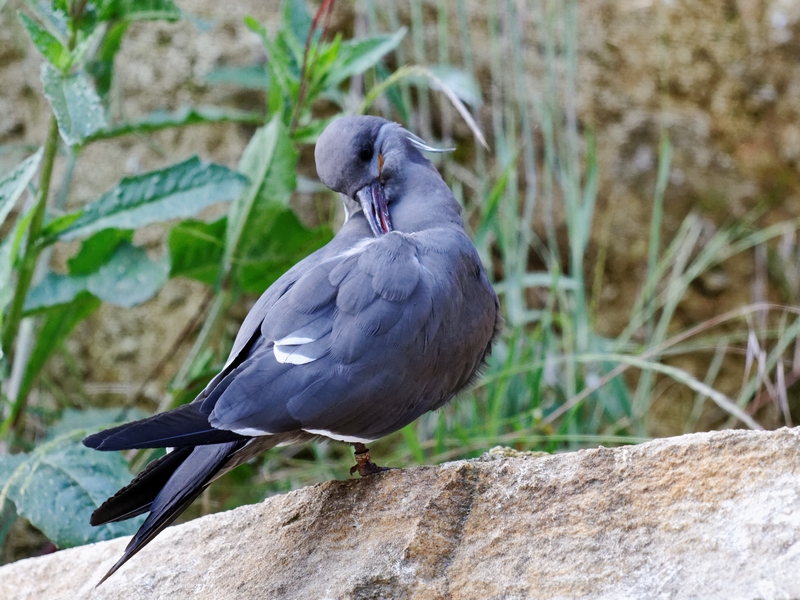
(553, 381)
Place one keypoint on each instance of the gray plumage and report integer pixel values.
(388, 321)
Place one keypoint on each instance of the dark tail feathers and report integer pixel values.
(183, 426)
(184, 476)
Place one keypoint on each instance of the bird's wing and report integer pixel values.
(356, 346)
(251, 325)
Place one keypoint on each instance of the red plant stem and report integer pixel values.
(327, 5)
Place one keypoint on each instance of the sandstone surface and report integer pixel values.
(711, 515)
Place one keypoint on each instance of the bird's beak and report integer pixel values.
(373, 203)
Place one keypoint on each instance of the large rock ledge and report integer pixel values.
(712, 515)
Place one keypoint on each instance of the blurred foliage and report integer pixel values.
(552, 383)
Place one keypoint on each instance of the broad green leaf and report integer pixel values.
(179, 191)
(269, 163)
(54, 291)
(139, 10)
(128, 278)
(13, 184)
(59, 485)
(8, 512)
(97, 250)
(251, 78)
(196, 249)
(281, 241)
(182, 117)
(356, 56)
(75, 103)
(52, 50)
(57, 324)
(8, 464)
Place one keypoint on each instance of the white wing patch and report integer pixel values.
(357, 248)
(287, 350)
(338, 437)
(250, 432)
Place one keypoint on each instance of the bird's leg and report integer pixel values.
(364, 465)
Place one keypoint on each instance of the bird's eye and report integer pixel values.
(365, 153)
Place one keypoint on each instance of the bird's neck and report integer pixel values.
(423, 201)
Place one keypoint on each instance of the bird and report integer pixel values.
(389, 320)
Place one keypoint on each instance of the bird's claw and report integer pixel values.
(364, 465)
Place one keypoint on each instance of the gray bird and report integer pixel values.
(388, 321)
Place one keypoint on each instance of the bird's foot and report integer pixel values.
(364, 465)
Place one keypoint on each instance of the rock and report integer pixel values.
(711, 515)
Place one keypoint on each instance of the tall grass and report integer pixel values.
(553, 381)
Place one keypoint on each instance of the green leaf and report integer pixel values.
(53, 17)
(178, 191)
(196, 249)
(139, 10)
(75, 103)
(393, 94)
(13, 184)
(250, 78)
(52, 50)
(59, 485)
(6, 264)
(9, 249)
(269, 162)
(356, 56)
(187, 115)
(280, 62)
(54, 291)
(97, 250)
(128, 278)
(8, 464)
(295, 19)
(57, 324)
(87, 44)
(101, 68)
(276, 242)
(309, 134)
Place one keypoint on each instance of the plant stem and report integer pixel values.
(32, 247)
(327, 5)
(28, 267)
(182, 379)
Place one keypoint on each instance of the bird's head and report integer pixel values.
(362, 156)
